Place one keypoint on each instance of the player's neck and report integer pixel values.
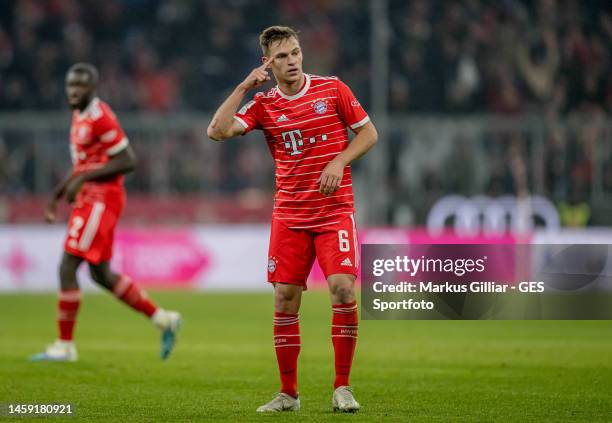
(291, 88)
(86, 104)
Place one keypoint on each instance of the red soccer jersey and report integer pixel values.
(95, 136)
(304, 133)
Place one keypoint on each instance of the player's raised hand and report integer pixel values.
(258, 76)
(331, 177)
(51, 211)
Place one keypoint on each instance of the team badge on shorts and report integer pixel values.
(320, 107)
(272, 262)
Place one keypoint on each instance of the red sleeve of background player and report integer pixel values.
(107, 130)
(349, 109)
(248, 115)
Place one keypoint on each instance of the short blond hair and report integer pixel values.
(273, 34)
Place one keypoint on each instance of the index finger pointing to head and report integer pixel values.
(267, 62)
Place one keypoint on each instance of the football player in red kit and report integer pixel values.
(101, 155)
(304, 119)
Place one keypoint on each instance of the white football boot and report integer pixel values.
(58, 351)
(281, 402)
(343, 400)
(169, 322)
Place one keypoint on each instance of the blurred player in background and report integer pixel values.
(101, 155)
(304, 120)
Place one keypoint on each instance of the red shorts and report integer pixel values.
(293, 251)
(91, 230)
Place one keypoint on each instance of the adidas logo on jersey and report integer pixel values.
(346, 262)
(282, 118)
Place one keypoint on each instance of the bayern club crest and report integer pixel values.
(272, 264)
(320, 107)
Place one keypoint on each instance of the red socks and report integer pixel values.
(67, 309)
(128, 292)
(70, 300)
(287, 346)
(344, 338)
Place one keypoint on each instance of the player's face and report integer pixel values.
(287, 64)
(79, 89)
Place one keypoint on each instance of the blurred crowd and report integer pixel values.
(509, 56)
(165, 55)
(505, 56)
(545, 58)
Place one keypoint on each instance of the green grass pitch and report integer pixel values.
(224, 365)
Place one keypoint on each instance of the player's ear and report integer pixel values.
(264, 59)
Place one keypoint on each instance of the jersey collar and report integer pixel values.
(299, 93)
(93, 103)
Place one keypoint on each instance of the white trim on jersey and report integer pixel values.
(305, 118)
(299, 123)
(90, 107)
(326, 142)
(327, 78)
(324, 83)
(242, 122)
(314, 199)
(346, 168)
(310, 157)
(310, 93)
(356, 245)
(310, 218)
(305, 103)
(313, 226)
(310, 164)
(108, 136)
(119, 147)
(315, 207)
(361, 122)
(93, 221)
(297, 95)
(310, 183)
(311, 190)
(305, 130)
(307, 182)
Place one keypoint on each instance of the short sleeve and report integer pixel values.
(248, 115)
(349, 109)
(108, 131)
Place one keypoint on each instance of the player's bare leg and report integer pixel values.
(287, 300)
(125, 290)
(63, 349)
(344, 338)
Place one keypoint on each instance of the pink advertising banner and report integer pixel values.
(207, 257)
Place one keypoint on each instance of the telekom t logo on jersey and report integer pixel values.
(293, 140)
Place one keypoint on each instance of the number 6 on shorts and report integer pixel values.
(343, 241)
